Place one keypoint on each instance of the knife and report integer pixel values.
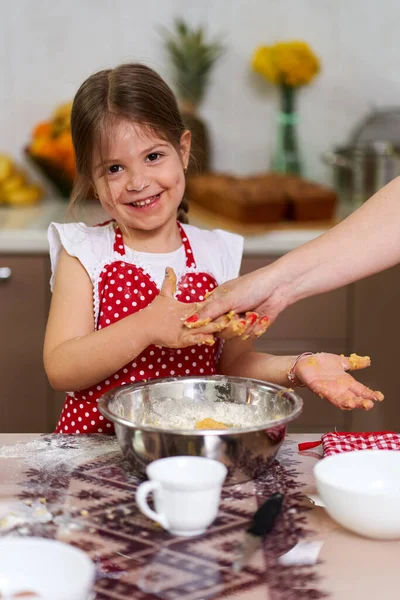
(262, 523)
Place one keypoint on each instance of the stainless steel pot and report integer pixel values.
(361, 170)
(246, 452)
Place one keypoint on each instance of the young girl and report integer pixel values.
(115, 317)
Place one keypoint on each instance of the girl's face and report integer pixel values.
(140, 178)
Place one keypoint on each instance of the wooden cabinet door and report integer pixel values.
(322, 317)
(375, 318)
(24, 390)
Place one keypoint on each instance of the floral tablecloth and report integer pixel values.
(79, 490)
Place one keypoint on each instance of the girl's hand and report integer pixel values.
(166, 319)
(325, 374)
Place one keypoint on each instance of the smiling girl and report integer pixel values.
(122, 290)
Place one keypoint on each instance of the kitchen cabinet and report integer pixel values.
(25, 397)
(362, 317)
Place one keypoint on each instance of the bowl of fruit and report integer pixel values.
(51, 150)
(16, 188)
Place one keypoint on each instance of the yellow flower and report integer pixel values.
(263, 63)
(289, 63)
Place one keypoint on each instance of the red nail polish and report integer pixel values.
(264, 320)
(192, 319)
(239, 325)
(251, 317)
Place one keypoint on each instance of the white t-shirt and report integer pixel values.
(216, 252)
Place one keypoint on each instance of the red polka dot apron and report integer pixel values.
(124, 289)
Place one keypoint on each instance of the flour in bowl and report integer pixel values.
(186, 413)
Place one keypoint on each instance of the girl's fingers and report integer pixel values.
(245, 326)
(217, 327)
(367, 404)
(193, 316)
(354, 362)
(240, 326)
(232, 324)
(199, 338)
(168, 287)
(346, 401)
(365, 392)
(355, 396)
(194, 322)
(236, 327)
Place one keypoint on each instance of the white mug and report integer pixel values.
(187, 492)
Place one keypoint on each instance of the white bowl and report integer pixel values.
(361, 491)
(51, 569)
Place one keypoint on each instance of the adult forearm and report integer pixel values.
(367, 242)
(82, 362)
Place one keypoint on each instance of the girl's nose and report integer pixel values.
(137, 184)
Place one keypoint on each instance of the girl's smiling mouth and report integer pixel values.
(147, 202)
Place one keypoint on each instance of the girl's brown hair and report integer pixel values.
(133, 92)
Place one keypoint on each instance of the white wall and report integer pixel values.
(48, 47)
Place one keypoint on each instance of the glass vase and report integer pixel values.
(286, 157)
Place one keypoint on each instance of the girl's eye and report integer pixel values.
(153, 156)
(114, 168)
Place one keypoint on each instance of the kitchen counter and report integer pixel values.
(78, 490)
(23, 230)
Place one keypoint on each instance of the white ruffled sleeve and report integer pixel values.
(217, 252)
(231, 245)
(88, 244)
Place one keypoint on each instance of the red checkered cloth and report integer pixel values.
(336, 442)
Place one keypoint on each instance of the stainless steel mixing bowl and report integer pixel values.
(246, 452)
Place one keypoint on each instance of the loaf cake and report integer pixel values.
(244, 200)
(262, 198)
(311, 202)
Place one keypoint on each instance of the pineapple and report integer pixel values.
(192, 58)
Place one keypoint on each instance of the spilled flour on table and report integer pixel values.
(49, 462)
(41, 507)
(52, 451)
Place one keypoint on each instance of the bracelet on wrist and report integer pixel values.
(291, 375)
